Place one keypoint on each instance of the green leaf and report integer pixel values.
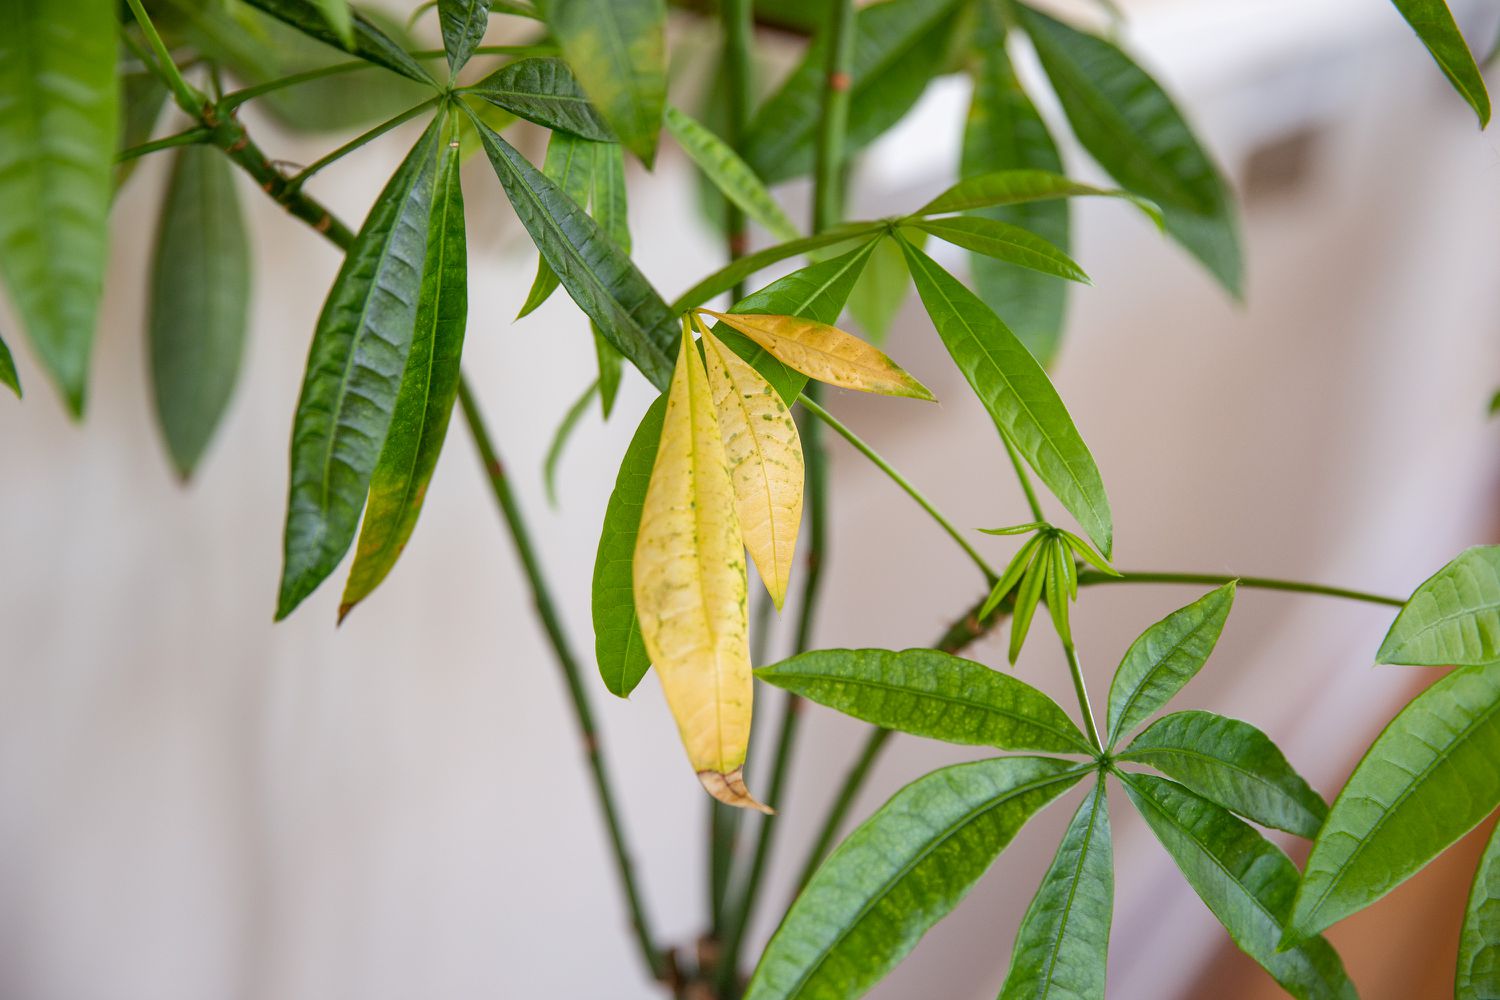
(354, 375)
(8, 374)
(617, 631)
(1433, 22)
(570, 164)
(1428, 779)
(1233, 764)
(899, 45)
(543, 90)
(560, 439)
(930, 693)
(882, 289)
(200, 299)
(618, 50)
(1478, 975)
(429, 386)
(59, 116)
(1014, 570)
(1003, 241)
(1027, 596)
(1064, 938)
(1004, 132)
(142, 96)
(464, 23)
(610, 372)
(336, 13)
(1164, 658)
(1453, 618)
(1017, 393)
(369, 42)
(1021, 187)
(1244, 879)
(730, 174)
(741, 268)
(901, 872)
(1131, 127)
(599, 276)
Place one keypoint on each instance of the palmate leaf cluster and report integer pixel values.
(83, 88)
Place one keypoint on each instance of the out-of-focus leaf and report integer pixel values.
(1020, 187)
(1003, 241)
(570, 164)
(882, 289)
(730, 174)
(741, 268)
(1016, 392)
(610, 372)
(1433, 22)
(1063, 942)
(618, 50)
(59, 118)
(1478, 975)
(8, 376)
(337, 14)
(354, 375)
(609, 208)
(560, 439)
(599, 276)
(1233, 764)
(429, 385)
(1244, 879)
(543, 90)
(1427, 780)
(369, 42)
(142, 96)
(1453, 618)
(930, 693)
(464, 23)
(900, 872)
(200, 299)
(1164, 658)
(1129, 124)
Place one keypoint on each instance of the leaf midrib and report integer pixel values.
(1073, 883)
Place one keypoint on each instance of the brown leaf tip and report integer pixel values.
(730, 789)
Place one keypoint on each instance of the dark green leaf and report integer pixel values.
(1017, 393)
(1453, 618)
(8, 376)
(1003, 241)
(200, 298)
(1233, 764)
(369, 42)
(1064, 938)
(930, 693)
(1478, 976)
(59, 117)
(609, 209)
(1244, 879)
(610, 372)
(730, 174)
(560, 440)
(901, 872)
(618, 50)
(464, 23)
(354, 375)
(570, 164)
(882, 289)
(598, 275)
(1129, 124)
(741, 268)
(1428, 779)
(1433, 22)
(429, 385)
(1020, 187)
(1164, 658)
(543, 91)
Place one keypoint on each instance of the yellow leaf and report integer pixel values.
(826, 353)
(764, 453)
(690, 585)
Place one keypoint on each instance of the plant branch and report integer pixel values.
(188, 97)
(298, 179)
(1024, 477)
(1076, 669)
(1093, 577)
(236, 98)
(192, 137)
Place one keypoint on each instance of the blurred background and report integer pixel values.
(196, 803)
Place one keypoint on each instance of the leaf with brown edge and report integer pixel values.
(826, 353)
(689, 580)
(764, 453)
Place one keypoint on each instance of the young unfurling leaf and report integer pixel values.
(826, 353)
(690, 582)
(764, 453)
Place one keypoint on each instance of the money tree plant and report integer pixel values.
(727, 468)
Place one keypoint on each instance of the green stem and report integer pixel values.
(236, 98)
(1024, 478)
(191, 137)
(1091, 577)
(864, 448)
(298, 179)
(188, 97)
(1076, 669)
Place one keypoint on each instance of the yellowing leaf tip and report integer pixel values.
(730, 789)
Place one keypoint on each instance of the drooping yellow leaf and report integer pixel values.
(764, 453)
(690, 585)
(826, 353)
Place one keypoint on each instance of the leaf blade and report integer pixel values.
(1453, 618)
(1478, 974)
(730, 174)
(1004, 242)
(618, 51)
(1433, 22)
(369, 42)
(463, 23)
(544, 90)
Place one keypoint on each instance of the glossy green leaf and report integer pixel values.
(929, 693)
(8, 376)
(1453, 619)
(200, 300)
(1233, 764)
(1017, 393)
(464, 23)
(1164, 658)
(1020, 187)
(1429, 778)
(429, 386)
(1027, 595)
(899, 45)
(570, 164)
(59, 117)
(618, 645)
(1132, 128)
(1244, 879)
(1433, 22)
(1014, 570)
(618, 50)
(730, 174)
(1003, 241)
(560, 439)
(599, 276)
(1063, 942)
(1004, 132)
(544, 91)
(901, 872)
(882, 289)
(369, 42)
(1059, 589)
(609, 208)
(1478, 975)
(337, 14)
(354, 375)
